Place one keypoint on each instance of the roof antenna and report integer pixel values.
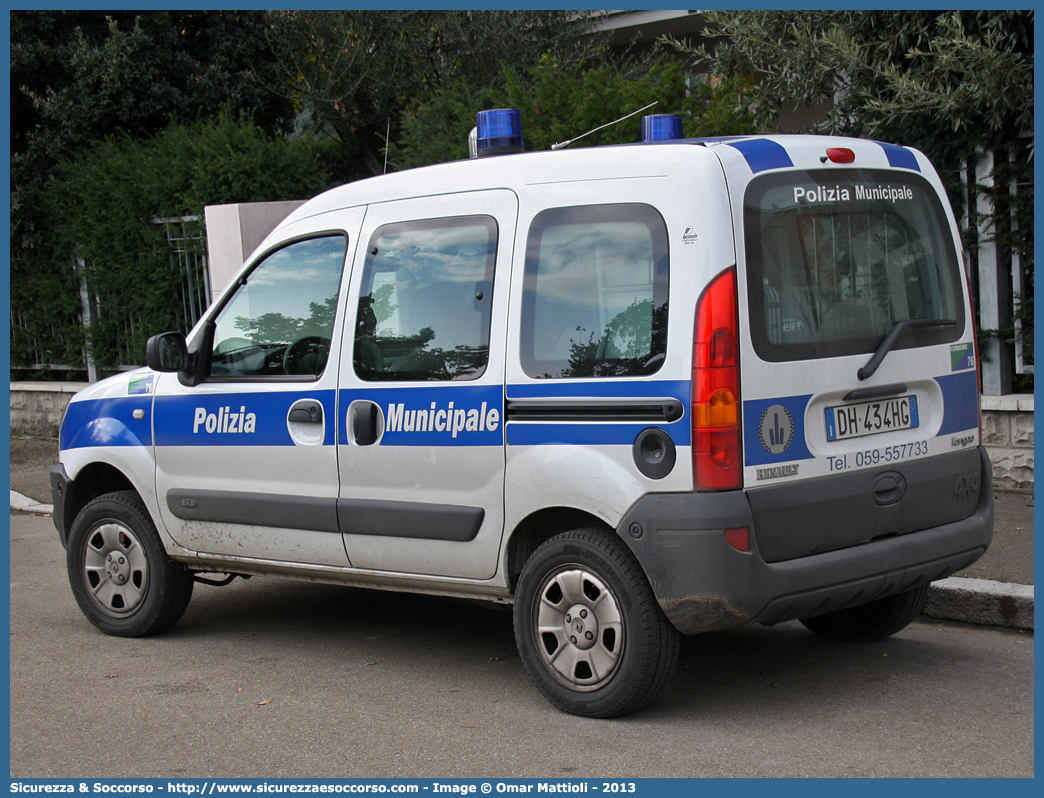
(567, 142)
(386, 136)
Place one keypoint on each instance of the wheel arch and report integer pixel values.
(93, 480)
(543, 525)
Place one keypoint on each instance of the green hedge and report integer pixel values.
(99, 212)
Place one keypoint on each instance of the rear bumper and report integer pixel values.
(703, 584)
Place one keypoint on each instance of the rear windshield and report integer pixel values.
(836, 258)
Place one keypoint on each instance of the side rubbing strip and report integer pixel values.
(652, 410)
(348, 516)
(899, 157)
(254, 509)
(762, 154)
(409, 519)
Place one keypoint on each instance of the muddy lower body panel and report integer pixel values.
(703, 583)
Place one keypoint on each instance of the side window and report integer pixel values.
(595, 295)
(424, 304)
(280, 319)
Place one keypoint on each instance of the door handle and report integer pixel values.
(307, 411)
(365, 423)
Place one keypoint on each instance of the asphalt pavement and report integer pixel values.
(272, 678)
(995, 590)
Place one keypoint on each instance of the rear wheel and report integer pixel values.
(872, 621)
(121, 576)
(588, 627)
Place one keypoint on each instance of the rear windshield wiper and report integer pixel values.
(867, 371)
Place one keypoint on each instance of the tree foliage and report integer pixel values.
(944, 82)
(103, 202)
(81, 76)
(93, 158)
(950, 83)
(351, 73)
(347, 72)
(560, 103)
(870, 69)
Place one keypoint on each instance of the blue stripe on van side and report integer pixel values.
(594, 433)
(762, 154)
(433, 415)
(899, 157)
(107, 422)
(259, 418)
(960, 402)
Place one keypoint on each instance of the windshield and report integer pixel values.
(837, 258)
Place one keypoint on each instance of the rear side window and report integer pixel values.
(424, 305)
(595, 292)
(836, 258)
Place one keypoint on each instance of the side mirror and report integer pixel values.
(167, 352)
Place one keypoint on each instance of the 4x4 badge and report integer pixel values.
(777, 429)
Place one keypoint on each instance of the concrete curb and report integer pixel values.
(980, 601)
(24, 504)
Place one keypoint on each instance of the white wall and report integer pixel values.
(234, 231)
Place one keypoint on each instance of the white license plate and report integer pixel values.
(870, 418)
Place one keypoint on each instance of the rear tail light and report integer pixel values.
(840, 155)
(716, 449)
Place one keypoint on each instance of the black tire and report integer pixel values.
(121, 576)
(873, 621)
(612, 660)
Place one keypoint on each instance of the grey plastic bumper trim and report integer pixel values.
(59, 491)
(703, 584)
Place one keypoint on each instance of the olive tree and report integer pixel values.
(955, 84)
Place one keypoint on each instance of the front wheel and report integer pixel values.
(121, 576)
(872, 621)
(588, 628)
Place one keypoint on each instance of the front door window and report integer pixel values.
(280, 319)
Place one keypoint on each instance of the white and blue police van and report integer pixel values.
(636, 391)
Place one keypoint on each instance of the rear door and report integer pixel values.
(421, 391)
(857, 356)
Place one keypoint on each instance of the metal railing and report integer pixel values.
(187, 256)
(186, 237)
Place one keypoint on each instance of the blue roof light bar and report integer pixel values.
(662, 127)
(499, 131)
